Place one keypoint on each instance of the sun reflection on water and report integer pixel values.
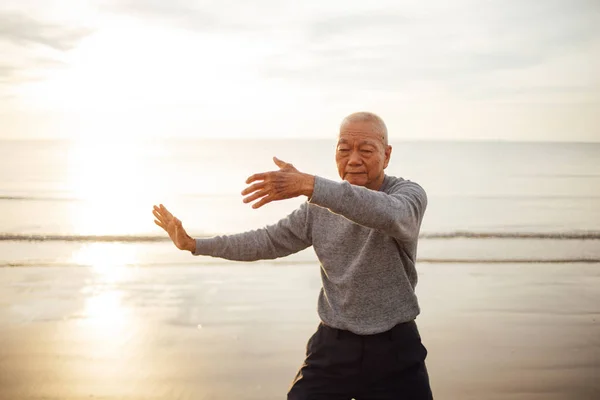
(103, 308)
(109, 260)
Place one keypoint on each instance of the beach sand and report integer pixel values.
(239, 331)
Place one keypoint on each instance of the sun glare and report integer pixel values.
(147, 79)
(107, 259)
(130, 65)
(109, 179)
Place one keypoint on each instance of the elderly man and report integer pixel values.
(364, 231)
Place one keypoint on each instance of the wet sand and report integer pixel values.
(494, 331)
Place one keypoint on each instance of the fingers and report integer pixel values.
(158, 216)
(263, 201)
(258, 189)
(279, 163)
(255, 196)
(163, 217)
(257, 177)
(253, 188)
(163, 212)
(284, 166)
(273, 185)
(166, 212)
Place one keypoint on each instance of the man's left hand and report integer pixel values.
(284, 184)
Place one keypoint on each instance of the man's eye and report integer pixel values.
(343, 150)
(366, 151)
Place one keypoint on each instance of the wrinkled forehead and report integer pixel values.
(360, 131)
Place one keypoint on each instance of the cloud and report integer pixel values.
(228, 17)
(23, 30)
(31, 46)
(338, 53)
(453, 46)
(26, 71)
(176, 12)
(6, 72)
(341, 25)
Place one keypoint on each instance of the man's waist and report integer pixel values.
(397, 331)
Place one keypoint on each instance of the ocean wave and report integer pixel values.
(234, 195)
(508, 260)
(208, 263)
(39, 198)
(576, 235)
(82, 238)
(59, 198)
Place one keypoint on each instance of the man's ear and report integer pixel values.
(388, 154)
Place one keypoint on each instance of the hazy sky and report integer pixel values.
(460, 69)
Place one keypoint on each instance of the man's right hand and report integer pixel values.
(174, 228)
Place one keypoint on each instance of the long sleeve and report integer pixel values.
(398, 211)
(290, 235)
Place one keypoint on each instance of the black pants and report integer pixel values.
(341, 365)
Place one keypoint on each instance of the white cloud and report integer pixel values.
(33, 41)
(23, 30)
(233, 65)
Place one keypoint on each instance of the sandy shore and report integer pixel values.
(494, 331)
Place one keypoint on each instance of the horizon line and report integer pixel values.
(266, 138)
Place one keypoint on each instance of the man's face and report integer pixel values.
(361, 155)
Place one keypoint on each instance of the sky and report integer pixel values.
(437, 70)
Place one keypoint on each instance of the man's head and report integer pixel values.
(362, 151)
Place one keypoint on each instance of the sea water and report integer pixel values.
(85, 202)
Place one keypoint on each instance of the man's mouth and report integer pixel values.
(355, 173)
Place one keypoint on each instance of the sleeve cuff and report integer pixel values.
(203, 247)
(322, 192)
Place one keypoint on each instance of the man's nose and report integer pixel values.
(355, 158)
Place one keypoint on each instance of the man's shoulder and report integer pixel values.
(394, 183)
(409, 189)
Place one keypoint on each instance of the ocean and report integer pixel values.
(89, 202)
(95, 301)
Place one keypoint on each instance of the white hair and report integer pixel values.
(365, 116)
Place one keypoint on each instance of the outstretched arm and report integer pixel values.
(398, 213)
(289, 235)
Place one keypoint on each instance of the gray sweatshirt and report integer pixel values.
(365, 240)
